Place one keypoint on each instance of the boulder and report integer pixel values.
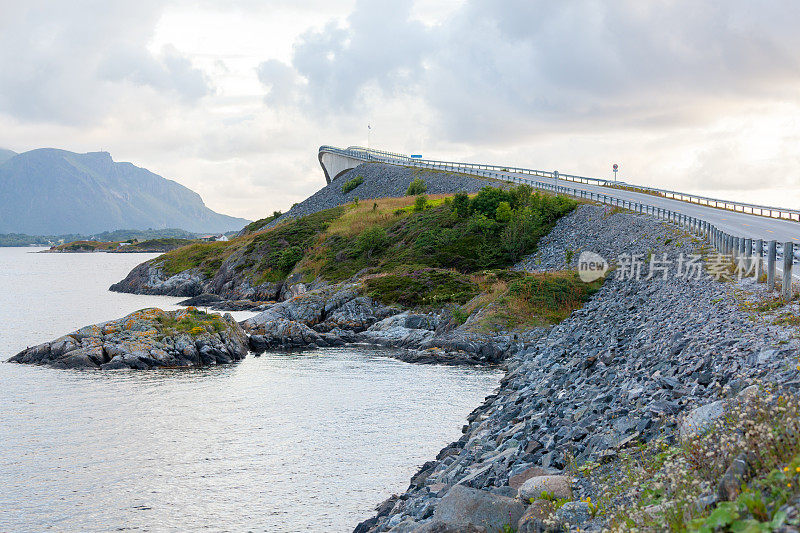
(464, 506)
(700, 419)
(574, 514)
(532, 521)
(556, 486)
(517, 480)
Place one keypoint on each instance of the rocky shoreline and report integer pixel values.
(146, 339)
(623, 370)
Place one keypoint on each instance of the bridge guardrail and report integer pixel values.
(747, 252)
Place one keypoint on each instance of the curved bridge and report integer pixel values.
(735, 228)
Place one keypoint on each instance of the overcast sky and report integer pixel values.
(233, 98)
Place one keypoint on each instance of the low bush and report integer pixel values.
(416, 187)
(422, 287)
(352, 184)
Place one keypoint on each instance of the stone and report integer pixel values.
(555, 485)
(517, 480)
(532, 520)
(472, 507)
(573, 513)
(699, 420)
(438, 526)
(730, 485)
(149, 338)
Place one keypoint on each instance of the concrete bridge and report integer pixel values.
(735, 228)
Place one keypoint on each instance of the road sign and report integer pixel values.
(616, 167)
(416, 156)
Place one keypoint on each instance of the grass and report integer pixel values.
(513, 300)
(262, 257)
(253, 227)
(657, 486)
(207, 256)
(194, 322)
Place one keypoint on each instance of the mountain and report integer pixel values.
(50, 191)
(5, 155)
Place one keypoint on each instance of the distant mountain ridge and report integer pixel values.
(51, 191)
(5, 155)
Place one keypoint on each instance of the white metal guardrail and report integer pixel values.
(750, 252)
(367, 154)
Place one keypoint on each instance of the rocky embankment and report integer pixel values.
(150, 338)
(621, 371)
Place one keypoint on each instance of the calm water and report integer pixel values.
(307, 442)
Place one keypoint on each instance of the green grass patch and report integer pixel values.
(195, 322)
(519, 300)
(207, 256)
(422, 287)
(352, 184)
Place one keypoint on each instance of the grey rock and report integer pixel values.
(466, 506)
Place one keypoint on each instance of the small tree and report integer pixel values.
(416, 187)
(420, 203)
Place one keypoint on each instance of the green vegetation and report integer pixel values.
(416, 187)
(207, 256)
(195, 322)
(422, 287)
(429, 252)
(152, 245)
(265, 256)
(123, 235)
(520, 300)
(352, 184)
(259, 224)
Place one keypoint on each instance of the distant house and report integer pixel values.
(212, 238)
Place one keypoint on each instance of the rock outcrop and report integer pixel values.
(149, 338)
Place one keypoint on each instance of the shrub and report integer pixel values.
(288, 258)
(352, 184)
(461, 205)
(487, 201)
(416, 187)
(371, 240)
(503, 212)
(422, 287)
(420, 202)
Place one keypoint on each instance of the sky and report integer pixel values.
(232, 98)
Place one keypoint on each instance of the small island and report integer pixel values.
(149, 338)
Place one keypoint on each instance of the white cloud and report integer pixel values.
(233, 99)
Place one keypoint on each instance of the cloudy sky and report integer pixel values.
(233, 98)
